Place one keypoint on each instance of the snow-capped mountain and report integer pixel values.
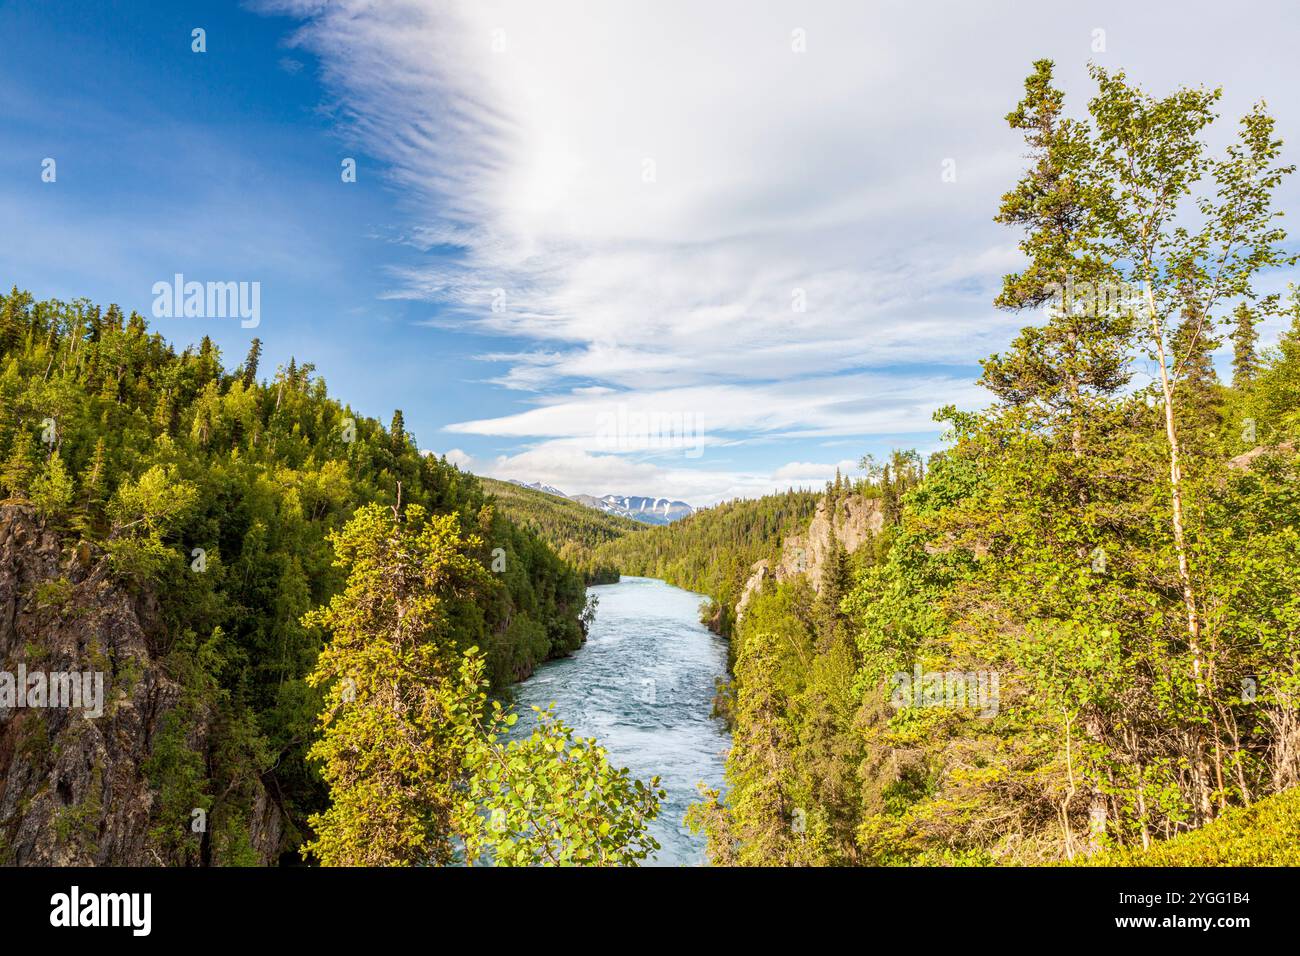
(645, 510)
(538, 486)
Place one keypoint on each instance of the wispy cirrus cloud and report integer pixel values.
(737, 210)
(822, 407)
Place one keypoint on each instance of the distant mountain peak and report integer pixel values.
(637, 507)
(538, 486)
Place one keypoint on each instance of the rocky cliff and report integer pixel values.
(851, 520)
(74, 789)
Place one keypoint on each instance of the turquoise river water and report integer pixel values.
(643, 684)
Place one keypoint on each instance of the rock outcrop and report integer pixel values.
(851, 522)
(73, 785)
(1244, 461)
(759, 572)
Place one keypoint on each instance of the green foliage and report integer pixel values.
(1087, 544)
(410, 752)
(1245, 357)
(176, 771)
(552, 800)
(1271, 404)
(154, 454)
(52, 490)
(390, 751)
(572, 529)
(712, 551)
(78, 824)
(53, 593)
(1264, 834)
(153, 503)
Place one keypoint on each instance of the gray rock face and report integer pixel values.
(759, 572)
(854, 521)
(1243, 462)
(73, 790)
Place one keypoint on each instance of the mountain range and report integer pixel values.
(645, 510)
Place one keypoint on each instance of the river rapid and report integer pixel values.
(643, 684)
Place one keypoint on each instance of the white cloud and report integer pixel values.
(808, 473)
(817, 407)
(795, 266)
(578, 472)
(456, 456)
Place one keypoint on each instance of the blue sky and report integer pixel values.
(223, 165)
(725, 220)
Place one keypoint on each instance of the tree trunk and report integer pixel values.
(1200, 769)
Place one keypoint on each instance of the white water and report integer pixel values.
(643, 685)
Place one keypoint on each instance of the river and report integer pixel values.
(643, 685)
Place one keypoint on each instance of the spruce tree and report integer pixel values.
(249, 373)
(833, 584)
(52, 490)
(1057, 370)
(1245, 335)
(1197, 383)
(208, 361)
(18, 466)
(397, 431)
(12, 322)
(93, 479)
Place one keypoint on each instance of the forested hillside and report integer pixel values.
(1082, 631)
(569, 527)
(712, 550)
(209, 493)
(1073, 635)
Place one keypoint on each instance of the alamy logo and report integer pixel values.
(976, 689)
(208, 300)
(103, 909)
(620, 429)
(74, 691)
(1095, 298)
